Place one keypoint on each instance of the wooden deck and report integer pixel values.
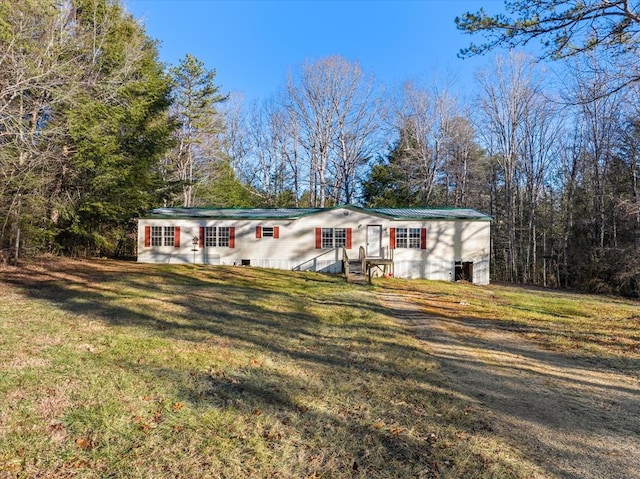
(383, 264)
(360, 270)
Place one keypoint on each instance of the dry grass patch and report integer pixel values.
(149, 371)
(605, 330)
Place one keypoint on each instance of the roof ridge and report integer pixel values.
(404, 213)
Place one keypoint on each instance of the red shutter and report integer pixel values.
(232, 236)
(176, 238)
(392, 238)
(276, 232)
(423, 238)
(258, 231)
(201, 237)
(318, 238)
(147, 236)
(348, 238)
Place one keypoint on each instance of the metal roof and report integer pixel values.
(238, 213)
(293, 213)
(431, 213)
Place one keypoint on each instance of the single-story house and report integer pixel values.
(431, 243)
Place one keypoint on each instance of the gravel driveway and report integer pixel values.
(575, 419)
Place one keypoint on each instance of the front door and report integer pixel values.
(374, 241)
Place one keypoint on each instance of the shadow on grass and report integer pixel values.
(577, 413)
(275, 314)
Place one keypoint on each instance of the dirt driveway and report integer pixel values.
(572, 418)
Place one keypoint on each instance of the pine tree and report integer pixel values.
(197, 152)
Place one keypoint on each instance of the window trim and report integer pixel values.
(328, 238)
(267, 232)
(157, 236)
(215, 236)
(408, 237)
(161, 236)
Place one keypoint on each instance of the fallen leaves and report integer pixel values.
(393, 429)
(85, 443)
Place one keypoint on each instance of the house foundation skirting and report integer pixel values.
(441, 270)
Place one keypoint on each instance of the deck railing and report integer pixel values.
(312, 263)
(345, 262)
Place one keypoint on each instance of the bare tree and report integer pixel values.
(521, 129)
(542, 131)
(331, 104)
(462, 157)
(268, 172)
(421, 119)
(235, 143)
(76, 88)
(507, 91)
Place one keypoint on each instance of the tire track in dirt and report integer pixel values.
(574, 419)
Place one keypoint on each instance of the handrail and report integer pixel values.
(334, 251)
(362, 256)
(345, 262)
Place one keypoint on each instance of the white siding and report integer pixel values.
(447, 242)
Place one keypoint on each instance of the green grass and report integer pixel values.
(123, 370)
(604, 330)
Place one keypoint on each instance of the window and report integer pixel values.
(330, 238)
(408, 238)
(339, 237)
(163, 236)
(411, 238)
(414, 238)
(168, 236)
(218, 236)
(327, 238)
(156, 236)
(267, 232)
(210, 236)
(223, 236)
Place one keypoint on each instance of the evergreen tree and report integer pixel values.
(197, 151)
(84, 123)
(118, 127)
(390, 183)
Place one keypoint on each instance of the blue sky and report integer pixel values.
(253, 44)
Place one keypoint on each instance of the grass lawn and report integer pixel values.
(603, 330)
(113, 369)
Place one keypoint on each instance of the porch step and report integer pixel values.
(356, 275)
(355, 266)
(357, 279)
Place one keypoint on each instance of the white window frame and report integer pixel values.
(332, 238)
(415, 238)
(169, 236)
(156, 236)
(216, 236)
(210, 236)
(223, 236)
(408, 238)
(163, 236)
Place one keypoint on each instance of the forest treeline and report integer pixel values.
(94, 130)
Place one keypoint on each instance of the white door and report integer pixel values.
(374, 241)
